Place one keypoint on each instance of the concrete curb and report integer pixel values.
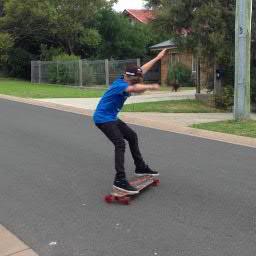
(176, 128)
(143, 121)
(10, 245)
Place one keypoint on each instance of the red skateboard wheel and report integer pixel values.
(109, 199)
(156, 183)
(125, 201)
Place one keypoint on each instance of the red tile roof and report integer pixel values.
(142, 15)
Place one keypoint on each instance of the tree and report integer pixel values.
(121, 39)
(6, 42)
(74, 23)
(204, 27)
(18, 64)
(153, 3)
(85, 28)
(67, 26)
(29, 22)
(57, 23)
(1, 8)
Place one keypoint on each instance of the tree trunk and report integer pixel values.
(198, 86)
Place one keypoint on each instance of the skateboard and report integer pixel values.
(140, 183)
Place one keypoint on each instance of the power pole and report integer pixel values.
(242, 102)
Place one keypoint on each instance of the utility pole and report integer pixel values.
(242, 102)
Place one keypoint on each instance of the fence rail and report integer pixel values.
(79, 72)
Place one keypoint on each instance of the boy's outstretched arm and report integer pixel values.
(138, 88)
(146, 67)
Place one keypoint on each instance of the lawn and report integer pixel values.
(242, 128)
(26, 89)
(173, 106)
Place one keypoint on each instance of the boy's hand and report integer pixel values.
(146, 67)
(161, 54)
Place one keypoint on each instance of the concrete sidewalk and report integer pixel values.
(183, 119)
(91, 103)
(10, 245)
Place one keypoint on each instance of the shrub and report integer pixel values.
(179, 75)
(65, 57)
(89, 75)
(64, 69)
(49, 53)
(6, 42)
(226, 100)
(18, 63)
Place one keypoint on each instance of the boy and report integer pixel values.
(105, 118)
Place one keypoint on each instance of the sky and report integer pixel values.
(128, 4)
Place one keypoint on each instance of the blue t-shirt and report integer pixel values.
(111, 102)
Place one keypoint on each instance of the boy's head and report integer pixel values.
(133, 75)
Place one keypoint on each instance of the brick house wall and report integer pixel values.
(173, 56)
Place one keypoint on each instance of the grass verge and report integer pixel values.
(26, 89)
(172, 106)
(242, 128)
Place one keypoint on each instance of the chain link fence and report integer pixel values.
(79, 72)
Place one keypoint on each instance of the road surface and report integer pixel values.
(55, 168)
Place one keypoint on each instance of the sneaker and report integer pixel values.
(124, 186)
(146, 172)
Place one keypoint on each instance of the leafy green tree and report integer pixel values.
(153, 3)
(121, 39)
(48, 53)
(64, 25)
(18, 63)
(204, 27)
(73, 23)
(89, 43)
(6, 42)
(1, 8)
(29, 22)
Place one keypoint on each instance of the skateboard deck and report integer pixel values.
(140, 183)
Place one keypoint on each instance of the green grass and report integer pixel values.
(174, 106)
(26, 89)
(242, 128)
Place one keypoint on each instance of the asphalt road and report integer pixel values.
(55, 169)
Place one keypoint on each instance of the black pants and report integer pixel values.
(117, 132)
